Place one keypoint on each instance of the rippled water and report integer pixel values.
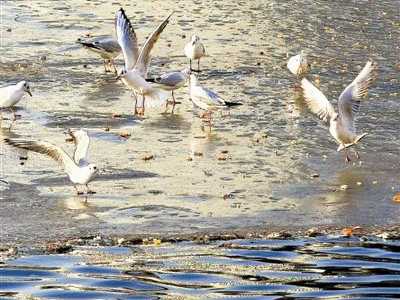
(267, 183)
(312, 268)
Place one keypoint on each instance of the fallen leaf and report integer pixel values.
(124, 134)
(148, 157)
(396, 197)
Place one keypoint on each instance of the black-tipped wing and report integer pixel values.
(46, 148)
(144, 57)
(127, 39)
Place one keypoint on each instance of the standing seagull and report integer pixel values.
(134, 72)
(11, 95)
(341, 124)
(195, 50)
(106, 46)
(78, 169)
(207, 99)
(170, 82)
(298, 64)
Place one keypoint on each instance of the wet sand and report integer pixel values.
(273, 148)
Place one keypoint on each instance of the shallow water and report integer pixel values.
(266, 183)
(312, 268)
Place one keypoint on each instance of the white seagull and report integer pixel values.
(206, 99)
(78, 169)
(195, 50)
(341, 123)
(134, 72)
(170, 82)
(298, 65)
(106, 46)
(11, 95)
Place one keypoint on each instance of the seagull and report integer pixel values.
(341, 123)
(106, 46)
(134, 72)
(206, 99)
(78, 169)
(170, 82)
(11, 95)
(298, 65)
(195, 50)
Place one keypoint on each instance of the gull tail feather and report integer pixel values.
(229, 104)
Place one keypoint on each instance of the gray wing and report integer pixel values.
(46, 148)
(144, 57)
(349, 100)
(108, 44)
(316, 101)
(104, 43)
(171, 79)
(127, 39)
(209, 97)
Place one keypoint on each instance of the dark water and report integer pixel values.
(312, 268)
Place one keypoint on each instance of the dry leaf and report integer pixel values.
(396, 197)
(148, 157)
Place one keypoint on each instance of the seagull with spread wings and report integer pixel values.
(134, 72)
(341, 123)
(78, 169)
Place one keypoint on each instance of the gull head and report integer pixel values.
(23, 85)
(93, 170)
(195, 39)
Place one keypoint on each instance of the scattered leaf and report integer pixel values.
(148, 157)
(396, 197)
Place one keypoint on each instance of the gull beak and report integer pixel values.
(1, 180)
(29, 92)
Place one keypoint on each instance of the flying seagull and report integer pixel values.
(78, 169)
(134, 72)
(106, 46)
(195, 50)
(341, 123)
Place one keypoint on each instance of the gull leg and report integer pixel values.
(78, 192)
(173, 103)
(114, 67)
(88, 190)
(190, 62)
(198, 65)
(346, 154)
(13, 119)
(135, 111)
(105, 65)
(144, 98)
(357, 154)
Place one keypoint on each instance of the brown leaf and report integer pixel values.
(396, 197)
